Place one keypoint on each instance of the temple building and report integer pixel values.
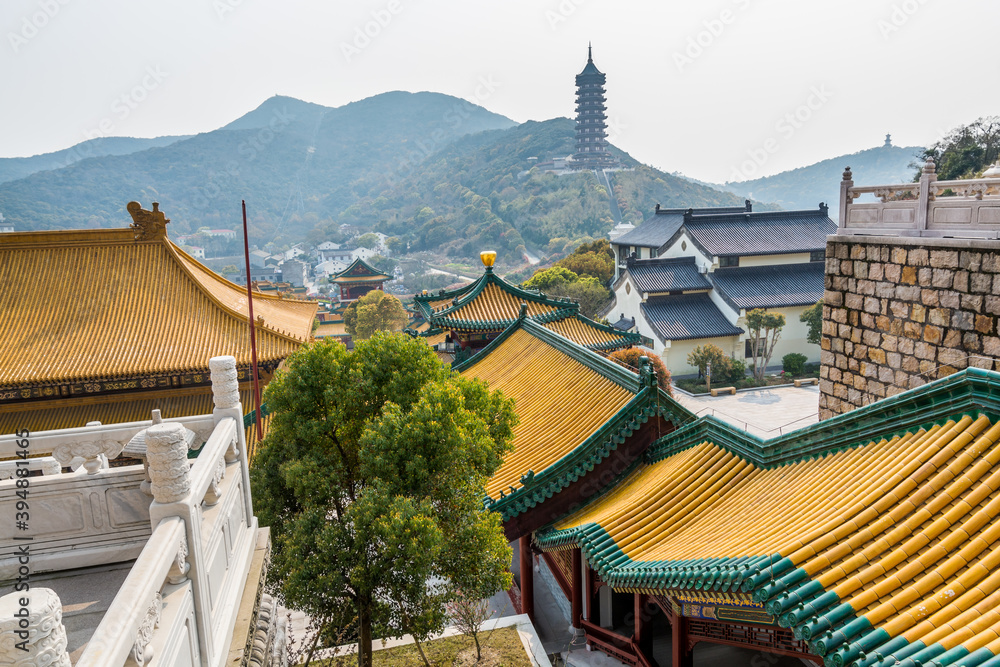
(108, 324)
(591, 120)
(869, 539)
(469, 317)
(689, 277)
(358, 279)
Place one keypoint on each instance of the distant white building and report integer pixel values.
(363, 253)
(328, 268)
(195, 251)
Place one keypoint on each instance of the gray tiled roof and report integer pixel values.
(687, 316)
(773, 286)
(665, 275)
(665, 222)
(625, 323)
(765, 233)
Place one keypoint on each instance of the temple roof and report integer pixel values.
(763, 233)
(773, 286)
(874, 531)
(666, 275)
(590, 69)
(686, 316)
(566, 397)
(359, 271)
(108, 303)
(491, 304)
(665, 222)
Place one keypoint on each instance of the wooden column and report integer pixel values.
(680, 656)
(576, 600)
(527, 578)
(637, 632)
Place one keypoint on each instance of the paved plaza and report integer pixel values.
(767, 412)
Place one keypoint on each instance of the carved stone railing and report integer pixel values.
(933, 208)
(181, 600)
(89, 443)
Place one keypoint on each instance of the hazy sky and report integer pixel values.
(715, 89)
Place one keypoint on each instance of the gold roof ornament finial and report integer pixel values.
(147, 225)
(489, 257)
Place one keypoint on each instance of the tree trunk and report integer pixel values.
(420, 649)
(479, 651)
(315, 642)
(364, 635)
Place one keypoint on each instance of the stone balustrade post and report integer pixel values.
(927, 177)
(845, 198)
(31, 629)
(226, 397)
(169, 471)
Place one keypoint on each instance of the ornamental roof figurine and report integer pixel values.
(147, 225)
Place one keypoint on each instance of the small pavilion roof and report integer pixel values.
(359, 271)
(492, 304)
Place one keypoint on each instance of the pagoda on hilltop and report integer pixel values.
(591, 119)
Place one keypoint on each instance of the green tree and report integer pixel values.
(588, 291)
(229, 270)
(395, 245)
(813, 318)
(371, 479)
(375, 311)
(967, 150)
(368, 240)
(589, 264)
(552, 278)
(703, 355)
(764, 329)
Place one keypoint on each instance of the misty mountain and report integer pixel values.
(806, 186)
(13, 168)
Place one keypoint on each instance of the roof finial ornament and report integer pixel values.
(848, 176)
(590, 52)
(147, 225)
(488, 257)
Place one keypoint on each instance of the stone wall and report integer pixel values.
(901, 312)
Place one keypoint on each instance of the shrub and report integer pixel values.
(737, 371)
(793, 363)
(630, 359)
(702, 355)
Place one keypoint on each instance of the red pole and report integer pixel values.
(253, 334)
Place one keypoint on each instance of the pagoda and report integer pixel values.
(591, 119)
(108, 324)
(469, 317)
(358, 279)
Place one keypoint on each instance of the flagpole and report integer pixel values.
(253, 335)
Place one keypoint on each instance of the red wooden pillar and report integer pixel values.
(527, 578)
(576, 599)
(637, 632)
(680, 656)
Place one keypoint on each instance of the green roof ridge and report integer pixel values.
(357, 260)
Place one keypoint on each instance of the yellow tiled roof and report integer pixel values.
(559, 401)
(904, 532)
(435, 338)
(584, 334)
(98, 304)
(331, 329)
(494, 304)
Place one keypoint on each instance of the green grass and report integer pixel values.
(442, 652)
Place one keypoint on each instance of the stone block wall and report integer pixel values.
(901, 312)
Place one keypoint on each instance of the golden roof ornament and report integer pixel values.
(489, 257)
(147, 225)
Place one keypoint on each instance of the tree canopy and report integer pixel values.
(967, 150)
(813, 318)
(371, 478)
(375, 311)
(629, 357)
(764, 330)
